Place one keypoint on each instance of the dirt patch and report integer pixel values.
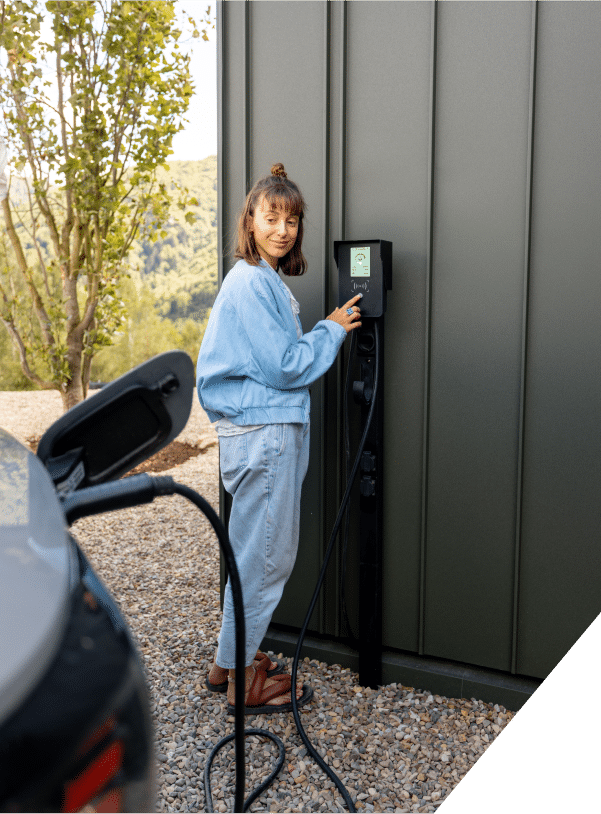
(172, 455)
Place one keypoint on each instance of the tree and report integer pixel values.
(88, 144)
(144, 333)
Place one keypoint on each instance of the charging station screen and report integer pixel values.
(360, 261)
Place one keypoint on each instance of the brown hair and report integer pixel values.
(279, 193)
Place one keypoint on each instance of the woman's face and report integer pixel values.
(275, 232)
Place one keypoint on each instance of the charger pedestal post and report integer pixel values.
(370, 503)
(365, 267)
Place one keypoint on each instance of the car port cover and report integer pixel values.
(126, 422)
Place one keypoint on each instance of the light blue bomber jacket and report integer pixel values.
(252, 367)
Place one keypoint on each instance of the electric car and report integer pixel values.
(75, 723)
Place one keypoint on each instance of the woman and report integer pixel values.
(254, 370)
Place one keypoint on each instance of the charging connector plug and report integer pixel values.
(114, 495)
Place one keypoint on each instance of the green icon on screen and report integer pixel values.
(360, 261)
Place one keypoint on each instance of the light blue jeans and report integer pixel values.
(263, 470)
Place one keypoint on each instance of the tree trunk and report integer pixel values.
(72, 394)
(72, 391)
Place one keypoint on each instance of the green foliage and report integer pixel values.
(181, 267)
(11, 375)
(143, 334)
(173, 280)
(90, 144)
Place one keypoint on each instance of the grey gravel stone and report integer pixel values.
(396, 748)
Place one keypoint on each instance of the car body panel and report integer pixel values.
(37, 567)
(72, 681)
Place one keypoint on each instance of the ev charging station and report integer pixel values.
(365, 267)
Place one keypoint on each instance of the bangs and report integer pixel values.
(282, 197)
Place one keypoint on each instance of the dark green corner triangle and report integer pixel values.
(547, 758)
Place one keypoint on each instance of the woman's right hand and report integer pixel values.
(348, 321)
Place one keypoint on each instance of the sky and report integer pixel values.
(199, 138)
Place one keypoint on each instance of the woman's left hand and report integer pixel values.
(349, 321)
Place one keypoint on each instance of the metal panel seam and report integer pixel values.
(428, 328)
(221, 188)
(343, 357)
(343, 74)
(343, 474)
(325, 305)
(221, 198)
(247, 101)
(524, 348)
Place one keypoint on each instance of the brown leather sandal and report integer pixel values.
(261, 661)
(258, 695)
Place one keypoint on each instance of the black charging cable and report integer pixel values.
(240, 639)
(143, 488)
(138, 489)
(309, 746)
(134, 491)
(347, 461)
(342, 512)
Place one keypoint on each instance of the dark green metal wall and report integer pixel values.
(468, 135)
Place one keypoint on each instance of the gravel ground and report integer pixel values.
(396, 748)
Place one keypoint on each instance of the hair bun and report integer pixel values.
(279, 171)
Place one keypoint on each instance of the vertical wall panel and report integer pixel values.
(232, 129)
(560, 570)
(388, 81)
(482, 92)
(288, 63)
(232, 134)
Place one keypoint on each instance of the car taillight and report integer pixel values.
(95, 786)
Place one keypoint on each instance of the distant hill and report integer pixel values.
(181, 269)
